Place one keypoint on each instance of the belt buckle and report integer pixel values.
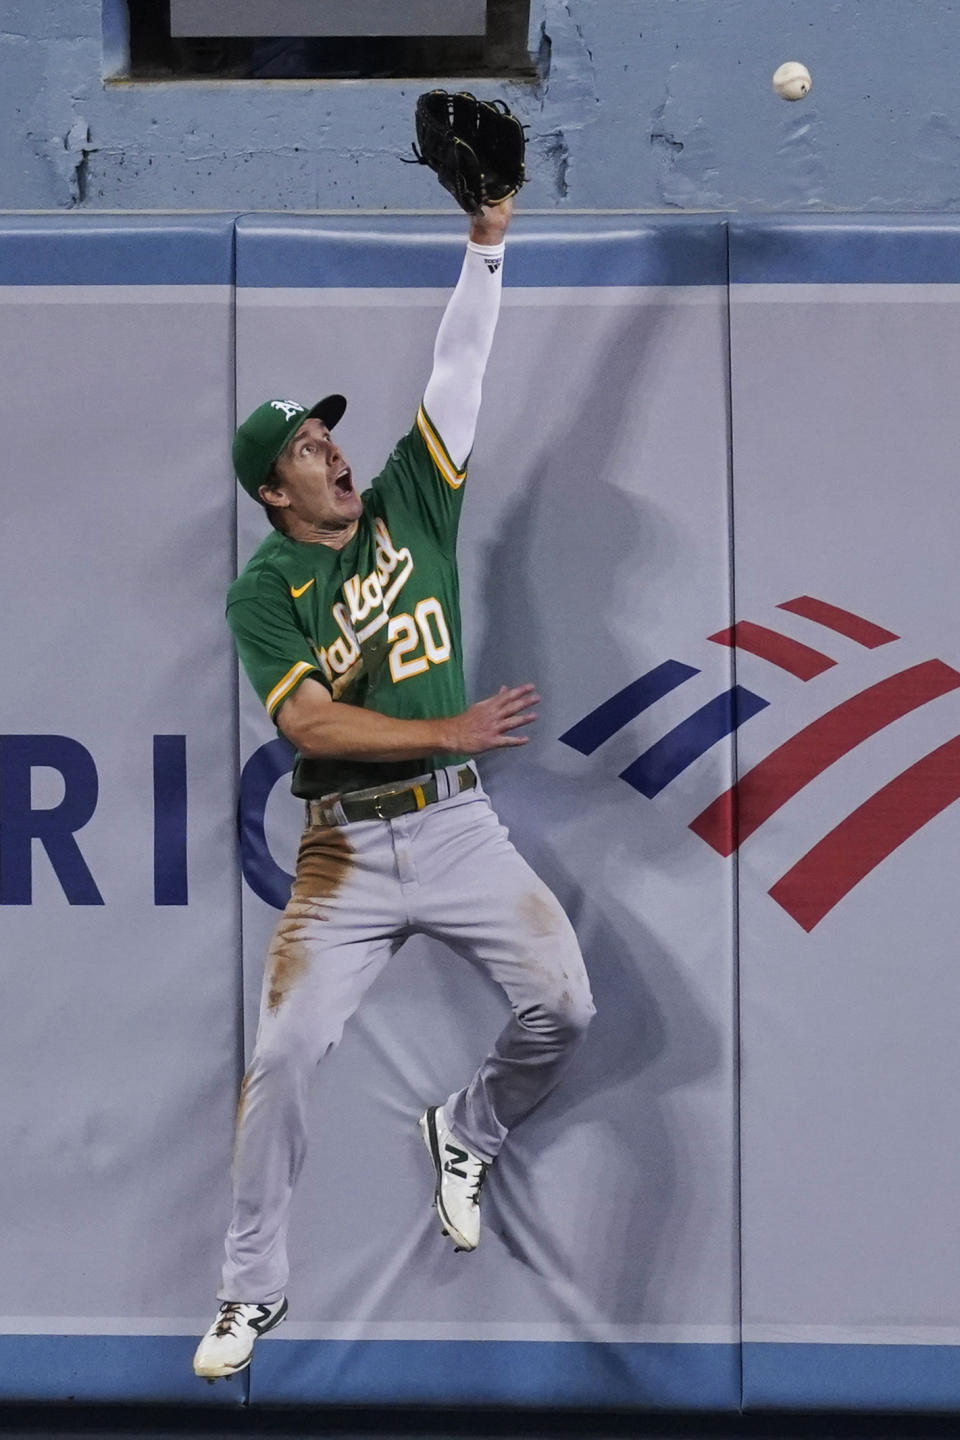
(419, 799)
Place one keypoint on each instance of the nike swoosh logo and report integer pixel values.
(297, 591)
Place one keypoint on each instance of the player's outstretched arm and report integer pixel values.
(464, 339)
(320, 727)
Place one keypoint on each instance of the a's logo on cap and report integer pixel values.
(289, 408)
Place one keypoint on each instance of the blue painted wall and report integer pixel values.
(649, 104)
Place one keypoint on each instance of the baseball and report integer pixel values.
(792, 80)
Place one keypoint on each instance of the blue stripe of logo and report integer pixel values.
(693, 737)
(626, 705)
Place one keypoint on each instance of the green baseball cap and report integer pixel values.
(263, 435)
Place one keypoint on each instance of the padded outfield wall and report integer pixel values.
(710, 512)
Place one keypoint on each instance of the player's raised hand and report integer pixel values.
(491, 223)
(490, 723)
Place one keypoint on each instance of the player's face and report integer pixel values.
(316, 481)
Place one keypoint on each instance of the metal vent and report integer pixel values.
(195, 18)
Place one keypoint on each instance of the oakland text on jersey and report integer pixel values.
(371, 593)
(369, 600)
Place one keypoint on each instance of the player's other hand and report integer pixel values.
(489, 725)
(490, 226)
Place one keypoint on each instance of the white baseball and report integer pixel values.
(792, 80)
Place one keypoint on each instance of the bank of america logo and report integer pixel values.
(829, 870)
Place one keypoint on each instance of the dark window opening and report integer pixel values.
(155, 54)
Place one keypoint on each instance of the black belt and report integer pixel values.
(386, 802)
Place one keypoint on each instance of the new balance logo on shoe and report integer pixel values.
(457, 1158)
(266, 1318)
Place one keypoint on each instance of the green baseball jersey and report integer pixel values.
(377, 623)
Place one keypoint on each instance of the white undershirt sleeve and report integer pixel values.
(452, 397)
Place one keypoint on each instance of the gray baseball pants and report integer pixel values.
(361, 889)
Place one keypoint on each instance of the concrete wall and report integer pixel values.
(647, 104)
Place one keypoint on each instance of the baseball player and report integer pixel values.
(347, 622)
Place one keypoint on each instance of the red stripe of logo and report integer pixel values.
(741, 810)
(820, 880)
(801, 660)
(843, 621)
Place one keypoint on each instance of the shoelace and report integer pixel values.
(478, 1182)
(229, 1315)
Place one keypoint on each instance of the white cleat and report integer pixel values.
(228, 1345)
(460, 1177)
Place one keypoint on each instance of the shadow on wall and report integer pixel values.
(651, 1034)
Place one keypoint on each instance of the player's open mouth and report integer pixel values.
(343, 483)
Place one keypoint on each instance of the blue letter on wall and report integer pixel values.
(260, 774)
(20, 824)
(170, 820)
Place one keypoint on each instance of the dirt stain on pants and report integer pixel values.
(323, 863)
(538, 915)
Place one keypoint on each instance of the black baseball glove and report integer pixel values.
(475, 146)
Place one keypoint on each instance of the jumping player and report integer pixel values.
(347, 622)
